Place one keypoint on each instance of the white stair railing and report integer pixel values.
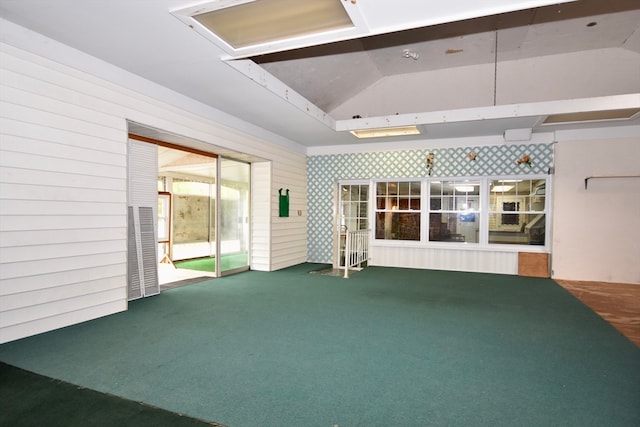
(356, 249)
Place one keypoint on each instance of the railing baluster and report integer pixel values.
(356, 249)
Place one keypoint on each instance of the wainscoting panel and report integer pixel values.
(483, 261)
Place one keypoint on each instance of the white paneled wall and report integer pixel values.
(483, 261)
(63, 192)
(63, 185)
(260, 216)
(287, 246)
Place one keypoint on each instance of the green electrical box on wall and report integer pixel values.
(284, 203)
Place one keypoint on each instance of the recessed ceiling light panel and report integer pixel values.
(249, 27)
(390, 131)
(591, 116)
(264, 21)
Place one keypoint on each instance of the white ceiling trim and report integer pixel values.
(265, 79)
(421, 144)
(535, 110)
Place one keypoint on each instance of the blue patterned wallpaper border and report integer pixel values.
(324, 171)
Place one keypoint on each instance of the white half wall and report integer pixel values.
(481, 261)
(596, 231)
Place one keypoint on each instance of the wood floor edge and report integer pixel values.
(617, 303)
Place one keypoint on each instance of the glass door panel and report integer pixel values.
(353, 215)
(233, 202)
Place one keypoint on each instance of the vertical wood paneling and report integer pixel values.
(482, 261)
(63, 189)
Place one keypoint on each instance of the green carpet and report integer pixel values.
(29, 399)
(227, 262)
(387, 347)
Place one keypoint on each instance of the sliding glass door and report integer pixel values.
(233, 202)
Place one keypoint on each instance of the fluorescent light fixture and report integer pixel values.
(250, 23)
(465, 188)
(591, 116)
(501, 188)
(392, 131)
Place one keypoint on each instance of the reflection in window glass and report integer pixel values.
(398, 210)
(164, 219)
(495, 211)
(191, 188)
(354, 206)
(454, 211)
(397, 226)
(517, 212)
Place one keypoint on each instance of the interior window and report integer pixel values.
(517, 212)
(398, 210)
(454, 211)
(484, 211)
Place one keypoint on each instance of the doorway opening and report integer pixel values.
(352, 233)
(201, 213)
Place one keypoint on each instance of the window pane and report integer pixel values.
(415, 188)
(530, 230)
(192, 188)
(455, 213)
(538, 197)
(397, 226)
(454, 227)
(435, 203)
(398, 210)
(364, 192)
(517, 209)
(354, 206)
(448, 203)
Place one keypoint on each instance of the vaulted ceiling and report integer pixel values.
(330, 75)
(455, 68)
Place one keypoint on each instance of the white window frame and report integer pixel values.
(483, 211)
(460, 181)
(546, 212)
(374, 211)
